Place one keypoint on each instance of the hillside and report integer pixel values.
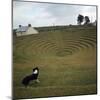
(66, 57)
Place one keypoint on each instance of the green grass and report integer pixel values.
(66, 59)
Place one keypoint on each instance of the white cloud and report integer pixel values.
(42, 14)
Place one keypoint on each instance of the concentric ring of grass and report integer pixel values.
(45, 47)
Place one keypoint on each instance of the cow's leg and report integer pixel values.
(37, 80)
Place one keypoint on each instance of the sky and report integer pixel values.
(48, 14)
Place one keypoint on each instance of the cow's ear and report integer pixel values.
(36, 67)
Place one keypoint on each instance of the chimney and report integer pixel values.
(29, 25)
(20, 26)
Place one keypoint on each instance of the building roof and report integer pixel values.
(22, 29)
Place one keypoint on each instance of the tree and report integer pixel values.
(80, 19)
(87, 20)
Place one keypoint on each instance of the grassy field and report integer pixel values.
(66, 59)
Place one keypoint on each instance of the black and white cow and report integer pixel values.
(33, 76)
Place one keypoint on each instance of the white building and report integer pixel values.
(25, 30)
